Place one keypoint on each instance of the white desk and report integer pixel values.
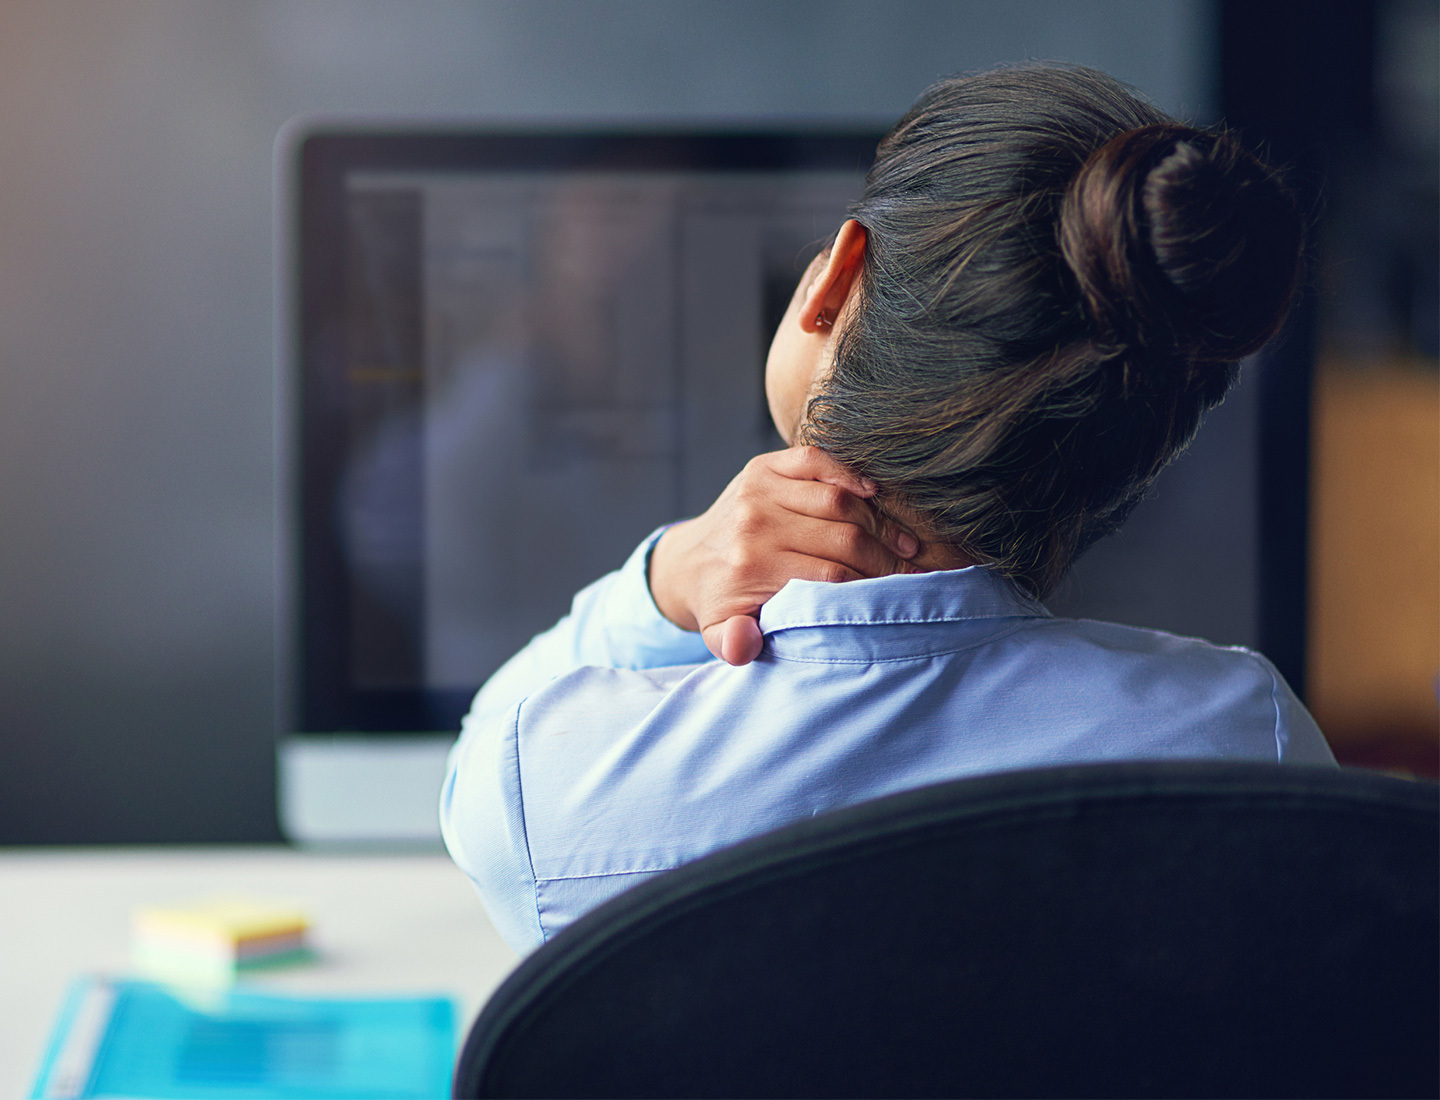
(382, 924)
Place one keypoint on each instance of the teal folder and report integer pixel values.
(133, 1038)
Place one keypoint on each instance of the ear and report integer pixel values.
(836, 279)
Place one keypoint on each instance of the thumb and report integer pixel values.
(736, 641)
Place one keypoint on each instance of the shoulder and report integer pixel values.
(595, 728)
(1148, 662)
(1106, 642)
(593, 699)
(1231, 692)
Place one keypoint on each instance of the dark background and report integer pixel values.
(137, 260)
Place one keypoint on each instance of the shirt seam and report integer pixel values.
(897, 660)
(525, 828)
(917, 621)
(607, 874)
(1269, 670)
(1274, 701)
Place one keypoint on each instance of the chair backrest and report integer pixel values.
(1213, 929)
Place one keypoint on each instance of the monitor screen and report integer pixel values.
(518, 354)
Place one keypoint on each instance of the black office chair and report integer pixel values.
(1165, 929)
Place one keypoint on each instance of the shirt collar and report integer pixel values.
(950, 595)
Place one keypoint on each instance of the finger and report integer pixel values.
(821, 501)
(835, 540)
(808, 567)
(842, 544)
(741, 640)
(893, 535)
(813, 464)
(736, 641)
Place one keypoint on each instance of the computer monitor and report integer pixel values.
(509, 356)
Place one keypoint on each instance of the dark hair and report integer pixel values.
(1058, 282)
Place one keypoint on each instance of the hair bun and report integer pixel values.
(1181, 242)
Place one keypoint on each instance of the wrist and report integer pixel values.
(664, 571)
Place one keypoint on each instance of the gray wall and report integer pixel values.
(136, 311)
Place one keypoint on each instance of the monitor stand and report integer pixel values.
(362, 791)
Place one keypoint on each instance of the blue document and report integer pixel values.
(133, 1038)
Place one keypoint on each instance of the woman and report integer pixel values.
(1045, 285)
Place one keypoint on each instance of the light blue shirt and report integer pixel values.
(613, 747)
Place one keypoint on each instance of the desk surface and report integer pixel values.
(381, 924)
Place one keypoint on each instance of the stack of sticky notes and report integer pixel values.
(217, 939)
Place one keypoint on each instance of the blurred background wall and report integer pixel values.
(137, 534)
(1346, 94)
(1374, 582)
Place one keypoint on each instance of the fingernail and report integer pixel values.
(868, 485)
(908, 544)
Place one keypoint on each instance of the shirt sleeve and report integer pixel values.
(613, 623)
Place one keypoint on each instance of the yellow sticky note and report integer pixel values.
(225, 922)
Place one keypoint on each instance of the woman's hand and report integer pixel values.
(792, 514)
